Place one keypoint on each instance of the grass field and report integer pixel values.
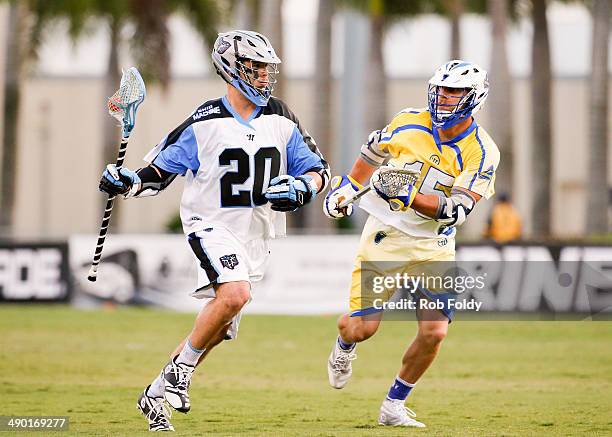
(492, 378)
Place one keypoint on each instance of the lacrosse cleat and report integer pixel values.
(339, 368)
(156, 412)
(393, 412)
(177, 377)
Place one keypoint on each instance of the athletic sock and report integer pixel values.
(345, 346)
(399, 390)
(157, 387)
(189, 355)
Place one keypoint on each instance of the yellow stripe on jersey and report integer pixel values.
(468, 161)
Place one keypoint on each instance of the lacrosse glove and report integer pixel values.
(122, 181)
(287, 193)
(341, 188)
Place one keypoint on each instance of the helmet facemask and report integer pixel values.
(453, 110)
(246, 60)
(256, 78)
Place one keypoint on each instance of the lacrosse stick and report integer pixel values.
(389, 180)
(123, 106)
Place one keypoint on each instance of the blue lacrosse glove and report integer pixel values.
(341, 188)
(122, 181)
(287, 193)
(402, 201)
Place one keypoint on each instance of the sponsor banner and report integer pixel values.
(537, 278)
(311, 275)
(36, 272)
(305, 274)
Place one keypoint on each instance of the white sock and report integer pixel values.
(157, 387)
(189, 355)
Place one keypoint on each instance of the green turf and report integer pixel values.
(491, 378)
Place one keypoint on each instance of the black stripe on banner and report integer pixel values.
(205, 262)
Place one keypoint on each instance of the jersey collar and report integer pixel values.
(455, 140)
(237, 116)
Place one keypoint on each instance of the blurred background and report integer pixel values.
(348, 67)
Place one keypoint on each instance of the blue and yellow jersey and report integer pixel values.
(468, 161)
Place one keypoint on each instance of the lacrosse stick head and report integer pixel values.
(393, 182)
(124, 103)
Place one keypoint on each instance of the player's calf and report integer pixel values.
(355, 329)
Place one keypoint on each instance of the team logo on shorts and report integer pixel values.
(229, 261)
(379, 237)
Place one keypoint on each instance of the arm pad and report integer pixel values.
(371, 152)
(153, 180)
(453, 210)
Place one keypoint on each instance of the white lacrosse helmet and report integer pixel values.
(232, 49)
(457, 74)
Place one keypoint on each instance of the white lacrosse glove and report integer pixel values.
(341, 188)
(402, 200)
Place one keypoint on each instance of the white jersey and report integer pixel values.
(228, 163)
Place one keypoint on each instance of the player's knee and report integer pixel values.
(236, 301)
(235, 297)
(433, 335)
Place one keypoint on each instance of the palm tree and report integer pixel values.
(454, 9)
(150, 46)
(500, 96)
(16, 50)
(597, 206)
(381, 13)
(244, 14)
(541, 90)
(271, 25)
(322, 88)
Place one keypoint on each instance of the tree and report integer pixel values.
(150, 46)
(500, 95)
(454, 9)
(322, 92)
(597, 192)
(244, 13)
(541, 90)
(16, 50)
(271, 25)
(381, 13)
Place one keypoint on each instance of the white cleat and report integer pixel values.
(339, 367)
(393, 412)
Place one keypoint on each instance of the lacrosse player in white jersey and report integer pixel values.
(246, 160)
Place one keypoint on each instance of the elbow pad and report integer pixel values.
(153, 180)
(453, 210)
(371, 151)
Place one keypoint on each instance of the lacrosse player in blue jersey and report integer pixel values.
(246, 160)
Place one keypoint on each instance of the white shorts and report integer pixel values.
(223, 258)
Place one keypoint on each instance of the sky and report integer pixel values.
(413, 48)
